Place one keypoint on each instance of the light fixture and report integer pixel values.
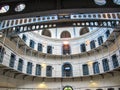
(43, 65)
(4, 9)
(20, 7)
(42, 85)
(87, 42)
(65, 42)
(90, 63)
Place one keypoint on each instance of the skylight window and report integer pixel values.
(116, 2)
(100, 2)
(4, 9)
(20, 7)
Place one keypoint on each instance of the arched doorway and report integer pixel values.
(67, 70)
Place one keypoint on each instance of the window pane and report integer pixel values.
(12, 60)
(107, 33)
(67, 70)
(32, 43)
(1, 54)
(96, 67)
(92, 44)
(20, 64)
(83, 47)
(105, 65)
(115, 61)
(49, 71)
(40, 47)
(38, 69)
(49, 49)
(29, 68)
(85, 69)
(24, 37)
(100, 40)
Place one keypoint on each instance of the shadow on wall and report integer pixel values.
(7, 84)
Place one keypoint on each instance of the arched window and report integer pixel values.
(20, 64)
(32, 43)
(84, 31)
(67, 88)
(100, 2)
(40, 47)
(38, 69)
(107, 33)
(66, 49)
(115, 61)
(2, 50)
(12, 60)
(49, 71)
(85, 69)
(92, 44)
(83, 47)
(46, 33)
(49, 49)
(29, 68)
(96, 68)
(67, 70)
(100, 40)
(65, 34)
(24, 37)
(105, 65)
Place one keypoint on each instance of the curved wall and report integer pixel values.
(57, 62)
(73, 42)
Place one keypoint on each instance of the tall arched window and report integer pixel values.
(49, 49)
(46, 33)
(100, 40)
(49, 71)
(66, 49)
(2, 50)
(29, 68)
(105, 64)
(67, 70)
(24, 37)
(84, 31)
(12, 60)
(83, 47)
(96, 68)
(20, 64)
(85, 69)
(40, 47)
(65, 34)
(107, 33)
(32, 43)
(115, 61)
(38, 69)
(92, 44)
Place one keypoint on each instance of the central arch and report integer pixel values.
(67, 70)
